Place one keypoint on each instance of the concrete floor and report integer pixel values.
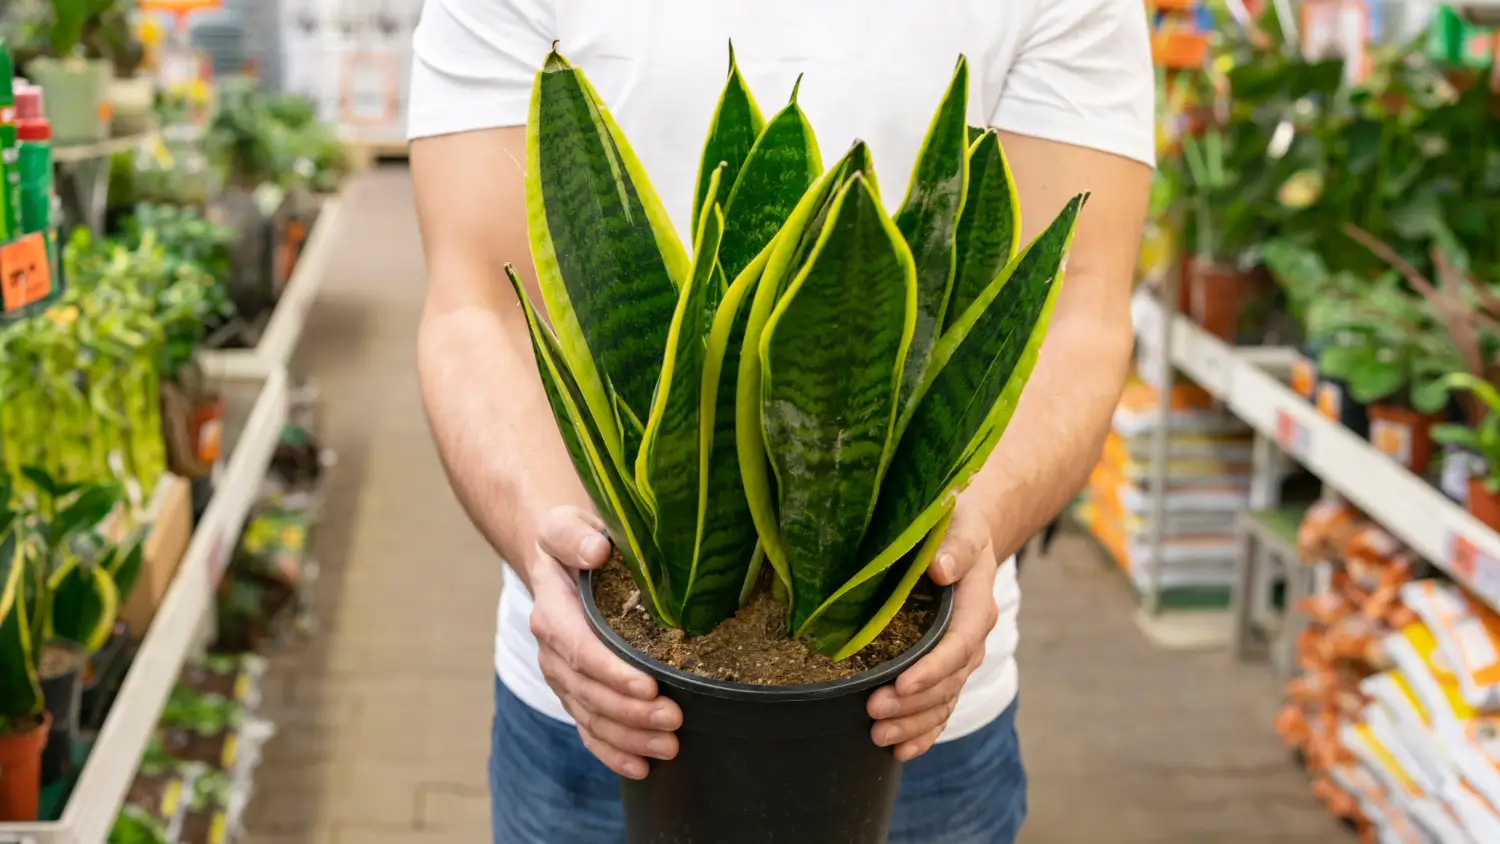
(384, 715)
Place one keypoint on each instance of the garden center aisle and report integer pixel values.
(384, 715)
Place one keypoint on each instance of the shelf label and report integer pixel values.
(25, 277)
(1475, 569)
(1293, 437)
(1304, 377)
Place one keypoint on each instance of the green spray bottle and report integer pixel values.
(10, 176)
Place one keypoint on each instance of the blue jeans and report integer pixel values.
(546, 788)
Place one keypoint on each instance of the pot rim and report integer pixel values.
(42, 727)
(749, 692)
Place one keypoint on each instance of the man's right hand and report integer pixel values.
(620, 716)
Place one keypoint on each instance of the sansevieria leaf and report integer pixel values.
(607, 258)
(781, 166)
(928, 220)
(891, 604)
(737, 122)
(726, 556)
(989, 229)
(786, 253)
(85, 604)
(601, 478)
(832, 357)
(20, 692)
(971, 370)
(667, 471)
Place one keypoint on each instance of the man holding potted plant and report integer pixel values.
(1069, 86)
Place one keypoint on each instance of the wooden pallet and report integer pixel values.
(364, 156)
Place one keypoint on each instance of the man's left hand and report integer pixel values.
(912, 712)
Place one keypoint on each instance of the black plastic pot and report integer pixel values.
(106, 669)
(63, 696)
(1335, 402)
(766, 764)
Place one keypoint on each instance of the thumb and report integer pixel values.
(968, 535)
(575, 538)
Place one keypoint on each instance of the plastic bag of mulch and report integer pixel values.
(233, 676)
(1468, 636)
(214, 811)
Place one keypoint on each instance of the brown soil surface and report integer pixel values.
(752, 646)
(58, 660)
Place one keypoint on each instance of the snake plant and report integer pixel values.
(813, 384)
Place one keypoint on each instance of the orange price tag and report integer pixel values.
(178, 5)
(25, 276)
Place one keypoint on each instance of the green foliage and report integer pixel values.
(1484, 437)
(266, 138)
(816, 383)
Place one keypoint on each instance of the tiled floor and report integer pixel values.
(384, 716)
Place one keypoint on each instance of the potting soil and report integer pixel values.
(752, 646)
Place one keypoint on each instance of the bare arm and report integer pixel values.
(500, 443)
(484, 398)
(1059, 426)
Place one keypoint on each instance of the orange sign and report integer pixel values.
(178, 5)
(25, 276)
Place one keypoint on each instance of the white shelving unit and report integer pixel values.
(284, 330)
(112, 765)
(1249, 382)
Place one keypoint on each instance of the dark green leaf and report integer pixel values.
(667, 472)
(989, 229)
(607, 258)
(928, 220)
(20, 693)
(726, 532)
(85, 603)
(781, 166)
(737, 122)
(612, 495)
(973, 368)
(92, 505)
(832, 355)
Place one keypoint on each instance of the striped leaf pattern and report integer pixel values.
(614, 500)
(832, 354)
(737, 122)
(971, 370)
(814, 387)
(781, 166)
(607, 258)
(85, 604)
(20, 692)
(667, 471)
(928, 219)
(989, 229)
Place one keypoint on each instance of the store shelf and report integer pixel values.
(112, 765)
(1249, 381)
(74, 153)
(284, 330)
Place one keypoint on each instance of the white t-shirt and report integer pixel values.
(1074, 71)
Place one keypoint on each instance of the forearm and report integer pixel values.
(1058, 429)
(494, 429)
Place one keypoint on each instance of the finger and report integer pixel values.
(966, 542)
(897, 730)
(625, 764)
(907, 751)
(660, 715)
(653, 743)
(886, 705)
(562, 631)
(574, 537)
(974, 615)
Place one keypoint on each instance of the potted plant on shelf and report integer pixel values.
(24, 721)
(75, 85)
(71, 602)
(1482, 439)
(775, 429)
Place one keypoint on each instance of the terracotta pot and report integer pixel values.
(1405, 435)
(21, 771)
(1217, 296)
(1483, 504)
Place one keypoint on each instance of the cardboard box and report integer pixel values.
(166, 545)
